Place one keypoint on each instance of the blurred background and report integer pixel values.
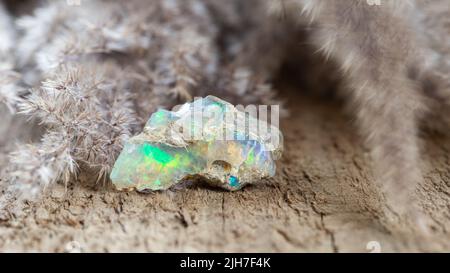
(79, 77)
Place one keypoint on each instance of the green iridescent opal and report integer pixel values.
(192, 142)
(154, 165)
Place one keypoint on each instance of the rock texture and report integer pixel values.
(208, 138)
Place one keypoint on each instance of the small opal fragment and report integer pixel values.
(208, 138)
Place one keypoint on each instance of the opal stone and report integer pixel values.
(197, 142)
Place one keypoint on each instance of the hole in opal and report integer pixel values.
(223, 165)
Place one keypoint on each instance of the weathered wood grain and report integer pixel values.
(323, 199)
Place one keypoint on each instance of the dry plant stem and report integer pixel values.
(93, 74)
(388, 68)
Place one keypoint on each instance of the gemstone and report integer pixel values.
(234, 181)
(208, 139)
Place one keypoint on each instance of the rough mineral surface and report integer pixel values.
(208, 138)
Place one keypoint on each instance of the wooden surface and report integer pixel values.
(323, 199)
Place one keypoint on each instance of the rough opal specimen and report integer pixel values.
(208, 139)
